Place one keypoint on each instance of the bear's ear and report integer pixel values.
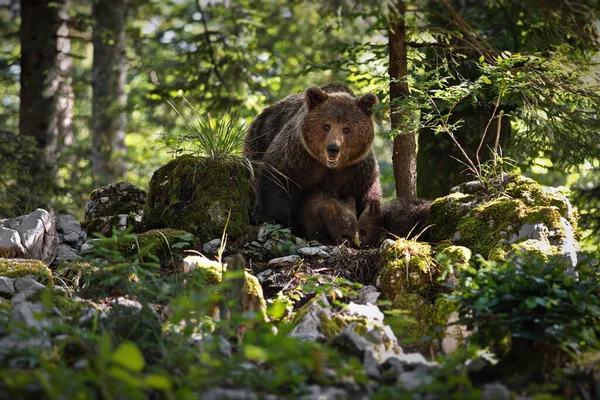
(366, 102)
(314, 96)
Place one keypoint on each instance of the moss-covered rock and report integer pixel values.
(115, 199)
(197, 194)
(407, 267)
(518, 210)
(458, 256)
(210, 272)
(105, 225)
(445, 214)
(17, 267)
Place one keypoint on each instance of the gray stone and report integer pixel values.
(412, 380)
(263, 235)
(316, 392)
(133, 305)
(66, 252)
(265, 275)
(26, 287)
(87, 246)
(371, 312)
(285, 261)
(124, 197)
(212, 247)
(533, 231)
(367, 295)
(10, 243)
(15, 343)
(371, 364)
(7, 288)
(312, 252)
(38, 235)
(473, 187)
(495, 391)
(308, 327)
(351, 341)
(228, 394)
(69, 231)
(31, 314)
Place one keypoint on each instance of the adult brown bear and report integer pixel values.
(319, 140)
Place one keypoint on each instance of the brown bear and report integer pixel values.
(404, 217)
(319, 140)
(328, 220)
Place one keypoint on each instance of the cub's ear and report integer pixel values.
(314, 96)
(374, 207)
(366, 102)
(351, 203)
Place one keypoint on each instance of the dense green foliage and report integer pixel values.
(526, 297)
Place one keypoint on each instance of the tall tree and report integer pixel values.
(42, 82)
(405, 151)
(109, 98)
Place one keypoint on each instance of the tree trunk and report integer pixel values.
(109, 97)
(405, 152)
(41, 80)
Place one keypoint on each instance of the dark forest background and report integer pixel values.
(91, 92)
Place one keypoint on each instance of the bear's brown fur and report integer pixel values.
(319, 140)
(403, 217)
(328, 220)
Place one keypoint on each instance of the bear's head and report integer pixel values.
(369, 224)
(337, 129)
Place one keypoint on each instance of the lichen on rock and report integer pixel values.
(197, 195)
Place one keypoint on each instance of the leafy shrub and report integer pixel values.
(528, 298)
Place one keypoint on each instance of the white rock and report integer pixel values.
(285, 261)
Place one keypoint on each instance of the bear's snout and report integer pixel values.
(333, 150)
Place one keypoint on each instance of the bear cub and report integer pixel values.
(403, 217)
(328, 220)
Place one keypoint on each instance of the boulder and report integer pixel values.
(119, 205)
(515, 213)
(202, 196)
(29, 236)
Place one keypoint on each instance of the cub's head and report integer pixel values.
(341, 221)
(338, 128)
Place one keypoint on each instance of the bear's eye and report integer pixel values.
(346, 130)
(326, 127)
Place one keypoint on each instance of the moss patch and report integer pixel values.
(208, 272)
(16, 268)
(196, 194)
(445, 214)
(407, 267)
(458, 256)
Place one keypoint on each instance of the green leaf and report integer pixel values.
(481, 59)
(255, 353)
(129, 356)
(179, 245)
(531, 302)
(487, 80)
(159, 382)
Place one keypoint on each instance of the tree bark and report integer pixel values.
(405, 151)
(109, 98)
(42, 77)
